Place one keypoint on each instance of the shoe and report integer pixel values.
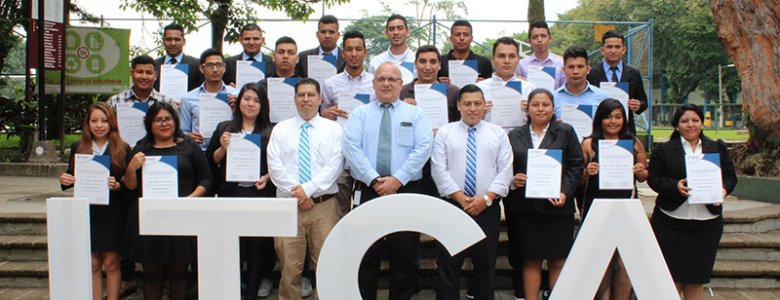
(266, 285)
(469, 296)
(306, 289)
(545, 295)
(127, 288)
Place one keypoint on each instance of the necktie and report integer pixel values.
(614, 74)
(383, 150)
(304, 157)
(251, 59)
(471, 163)
(327, 54)
(173, 61)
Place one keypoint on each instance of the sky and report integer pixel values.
(143, 26)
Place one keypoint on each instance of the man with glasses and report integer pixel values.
(174, 41)
(397, 32)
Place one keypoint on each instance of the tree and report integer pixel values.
(225, 15)
(536, 10)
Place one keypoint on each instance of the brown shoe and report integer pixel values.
(127, 288)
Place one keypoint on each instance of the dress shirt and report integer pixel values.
(257, 57)
(486, 84)
(552, 60)
(688, 211)
(408, 56)
(97, 150)
(494, 159)
(537, 140)
(178, 58)
(411, 145)
(343, 83)
(189, 112)
(335, 51)
(130, 96)
(608, 72)
(327, 159)
(591, 95)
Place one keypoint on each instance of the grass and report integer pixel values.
(663, 133)
(13, 142)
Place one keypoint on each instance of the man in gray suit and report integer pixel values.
(328, 35)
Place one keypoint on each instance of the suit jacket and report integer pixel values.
(667, 167)
(116, 199)
(636, 89)
(194, 76)
(303, 62)
(230, 68)
(218, 168)
(559, 136)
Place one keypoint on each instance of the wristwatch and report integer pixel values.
(488, 201)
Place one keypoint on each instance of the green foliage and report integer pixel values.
(17, 115)
(476, 49)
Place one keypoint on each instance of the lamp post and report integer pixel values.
(720, 92)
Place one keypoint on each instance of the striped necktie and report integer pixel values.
(471, 163)
(304, 156)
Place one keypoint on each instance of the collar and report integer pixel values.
(178, 58)
(393, 104)
(451, 55)
(350, 77)
(202, 88)
(335, 51)
(497, 78)
(257, 57)
(564, 89)
(535, 58)
(687, 146)
(314, 121)
(544, 131)
(465, 126)
(132, 95)
(97, 150)
(399, 57)
(606, 66)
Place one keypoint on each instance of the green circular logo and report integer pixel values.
(73, 40)
(72, 63)
(94, 41)
(95, 64)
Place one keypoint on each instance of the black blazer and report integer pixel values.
(195, 78)
(559, 136)
(218, 168)
(667, 167)
(636, 90)
(301, 68)
(230, 68)
(116, 198)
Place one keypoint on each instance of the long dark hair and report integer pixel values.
(678, 114)
(263, 121)
(148, 141)
(603, 111)
(531, 96)
(117, 150)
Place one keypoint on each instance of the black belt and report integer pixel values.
(322, 198)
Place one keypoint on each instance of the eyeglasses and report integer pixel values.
(213, 65)
(160, 121)
(391, 80)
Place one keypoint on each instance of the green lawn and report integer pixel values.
(13, 142)
(663, 133)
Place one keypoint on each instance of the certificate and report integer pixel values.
(507, 100)
(248, 72)
(617, 91)
(580, 117)
(432, 99)
(173, 80)
(542, 77)
(281, 98)
(131, 121)
(214, 108)
(544, 173)
(704, 178)
(463, 72)
(349, 102)
(407, 71)
(243, 158)
(321, 67)
(92, 172)
(160, 177)
(616, 164)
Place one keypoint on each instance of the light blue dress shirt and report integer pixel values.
(178, 58)
(189, 112)
(608, 72)
(591, 95)
(410, 149)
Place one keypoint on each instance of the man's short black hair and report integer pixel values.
(538, 24)
(506, 41)
(353, 35)
(396, 17)
(427, 48)
(612, 34)
(328, 19)
(211, 52)
(251, 27)
(308, 80)
(462, 23)
(173, 26)
(285, 40)
(470, 88)
(141, 60)
(575, 52)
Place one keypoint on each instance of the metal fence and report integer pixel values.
(732, 115)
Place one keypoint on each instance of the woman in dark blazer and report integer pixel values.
(542, 228)
(100, 136)
(251, 115)
(688, 234)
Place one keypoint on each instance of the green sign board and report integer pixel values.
(96, 61)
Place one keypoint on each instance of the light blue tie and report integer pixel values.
(471, 163)
(384, 148)
(304, 156)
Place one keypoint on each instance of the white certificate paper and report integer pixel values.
(507, 108)
(248, 72)
(407, 71)
(580, 117)
(349, 102)
(281, 98)
(92, 172)
(321, 67)
(243, 158)
(617, 91)
(160, 177)
(616, 164)
(704, 178)
(131, 121)
(545, 167)
(542, 77)
(173, 80)
(214, 108)
(432, 99)
(463, 72)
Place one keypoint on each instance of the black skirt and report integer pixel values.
(688, 246)
(107, 227)
(544, 236)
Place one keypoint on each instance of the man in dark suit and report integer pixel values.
(461, 38)
(174, 41)
(328, 35)
(612, 69)
(252, 40)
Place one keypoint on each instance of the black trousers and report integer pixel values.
(483, 256)
(514, 250)
(402, 251)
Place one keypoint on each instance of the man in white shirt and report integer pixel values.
(304, 161)
(506, 56)
(397, 32)
(354, 79)
(472, 168)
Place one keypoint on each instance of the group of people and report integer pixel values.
(388, 146)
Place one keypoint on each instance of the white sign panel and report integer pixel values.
(70, 256)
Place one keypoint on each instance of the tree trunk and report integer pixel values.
(219, 20)
(750, 33)
(535, 10)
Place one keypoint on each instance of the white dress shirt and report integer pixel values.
(327, 160)
(494, 159)
(536, 140)
(687, 211)
(487, 84)
(407, 56)
(344, 84)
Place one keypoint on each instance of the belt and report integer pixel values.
(322, 198)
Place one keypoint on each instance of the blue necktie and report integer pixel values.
(173, 61)
(471, 163)
(614, 74)
(304, 157)
(383, 150)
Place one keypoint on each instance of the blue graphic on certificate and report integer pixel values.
(160, 177)
(173, 80)
(545, 167)
(281, 98)
(616, 164)
(704, 178)
(92, 172)
(243, 158)
(131, 121)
